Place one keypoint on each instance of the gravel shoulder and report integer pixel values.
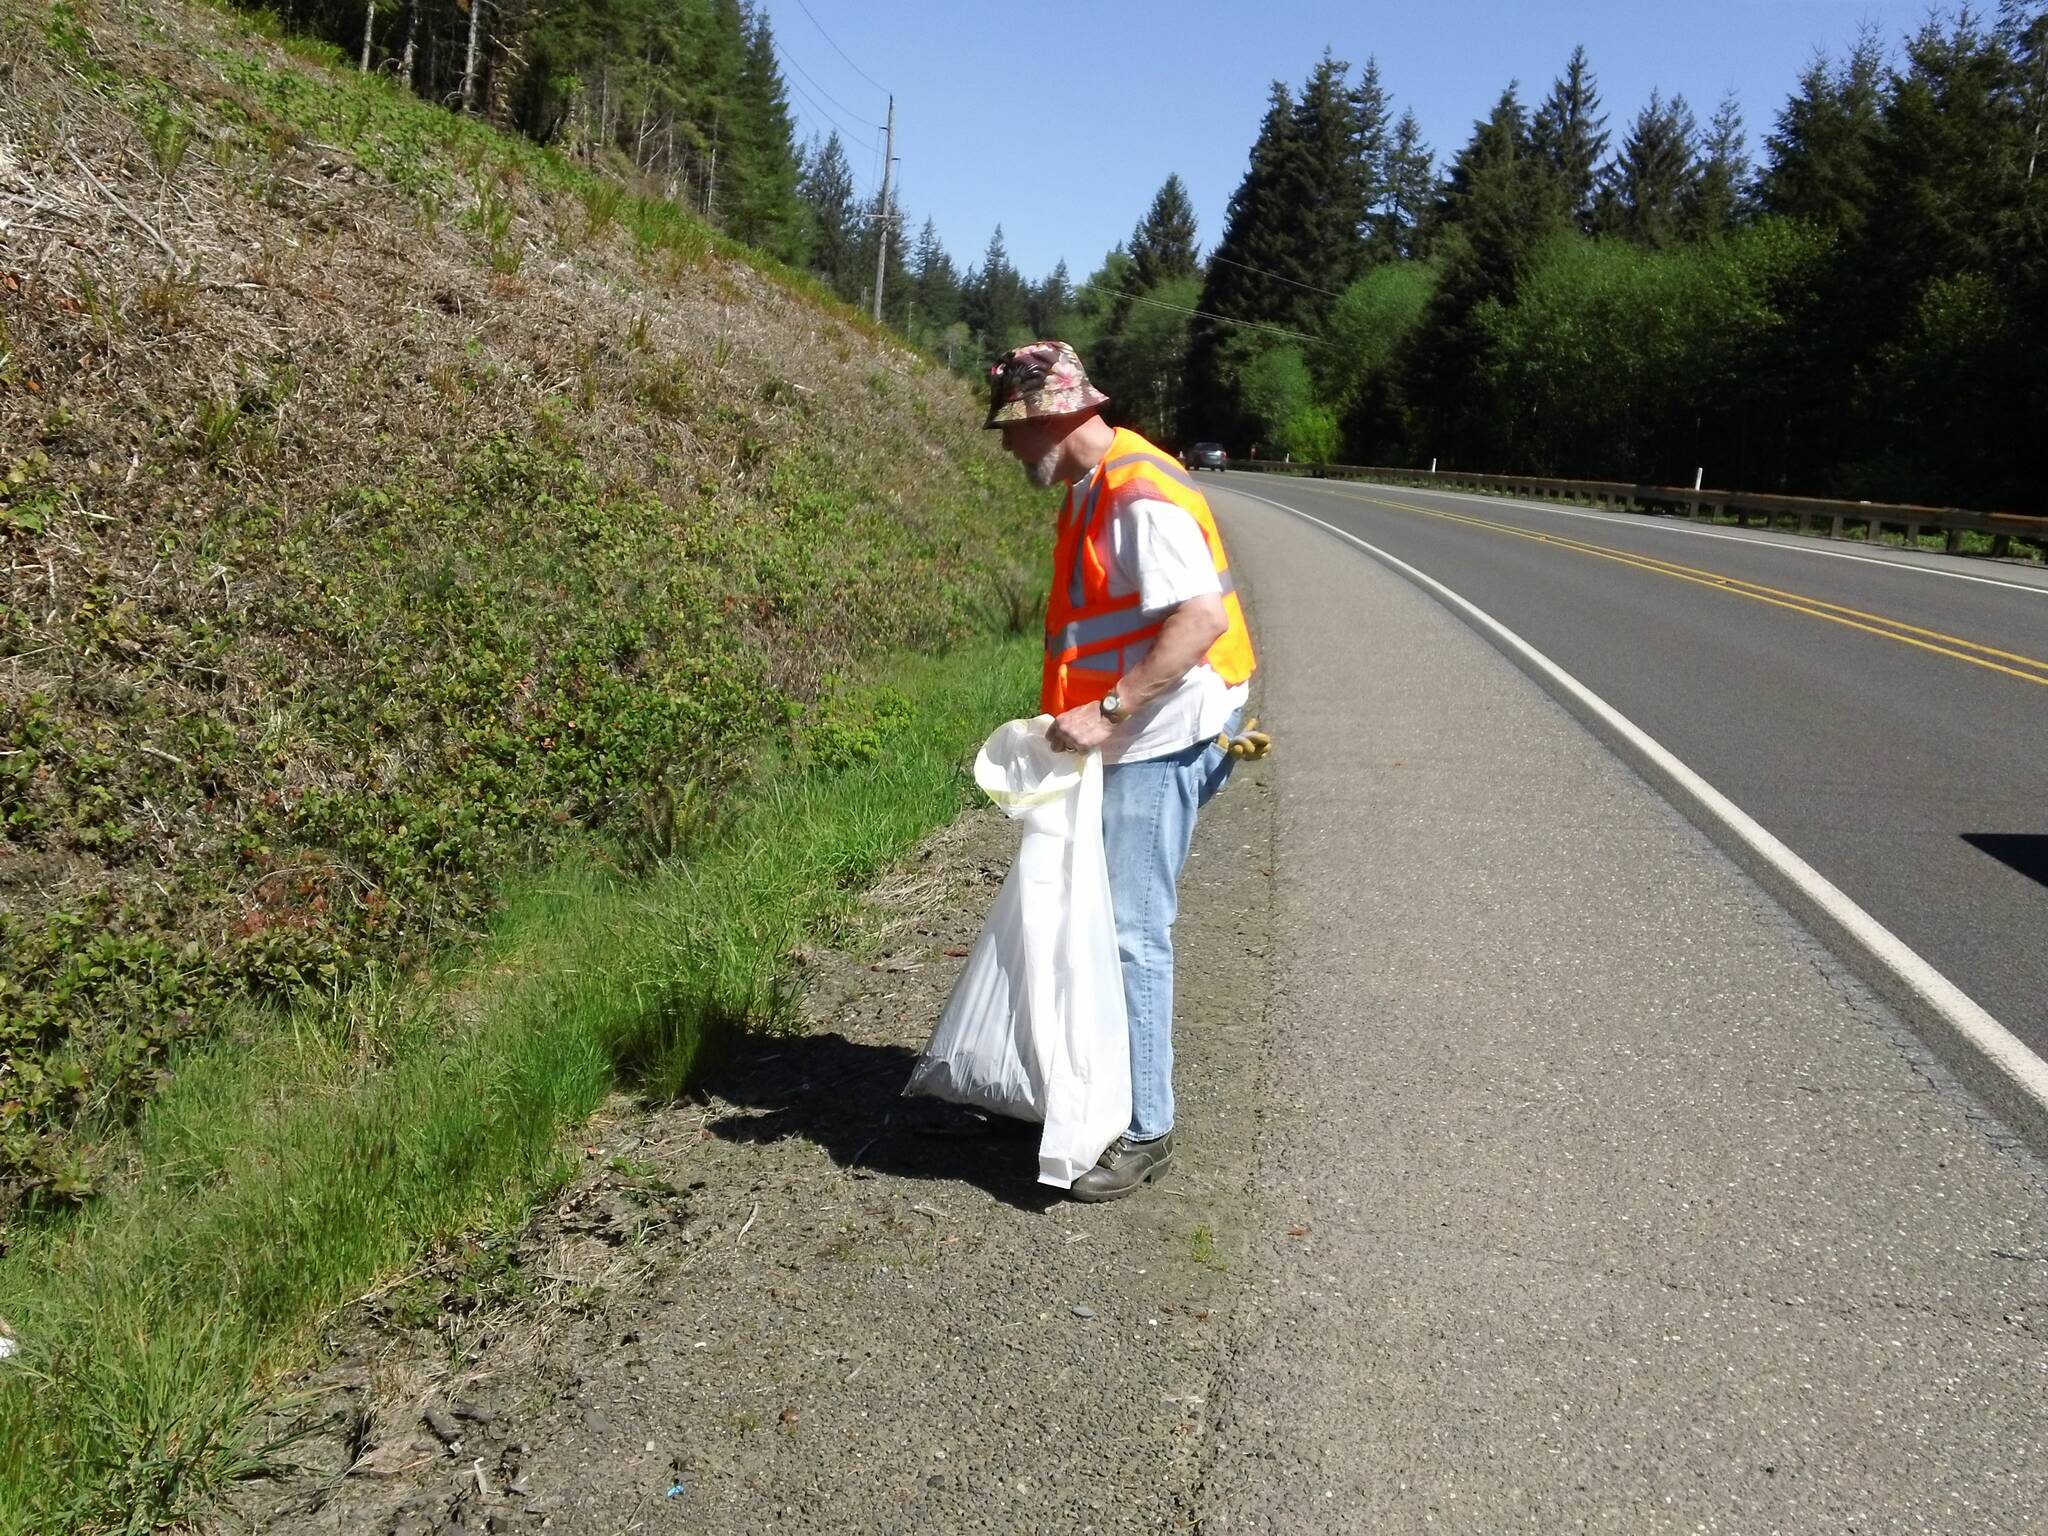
(784, 1305)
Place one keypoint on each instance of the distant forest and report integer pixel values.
(1859, 309)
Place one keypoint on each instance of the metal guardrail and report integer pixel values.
(1812, 512)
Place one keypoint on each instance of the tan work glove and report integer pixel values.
(1253, 743)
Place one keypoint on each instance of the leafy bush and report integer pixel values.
(1672, 335)
(1277, 389)
(1311, 435)
(1368, 325)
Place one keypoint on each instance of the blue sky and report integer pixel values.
(1061, 122)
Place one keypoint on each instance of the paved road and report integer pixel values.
(1590, 1193)
(1884, 715)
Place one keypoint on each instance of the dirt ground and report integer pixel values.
(804, 1302)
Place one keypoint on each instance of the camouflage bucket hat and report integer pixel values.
(1042, 379)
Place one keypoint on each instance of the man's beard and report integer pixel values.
(1044, 471)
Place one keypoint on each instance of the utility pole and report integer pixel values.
(882, 211)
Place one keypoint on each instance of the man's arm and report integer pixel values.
(1189, 631)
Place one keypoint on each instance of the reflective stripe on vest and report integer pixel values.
(1125, 621)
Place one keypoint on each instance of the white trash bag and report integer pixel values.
(1035, 1027)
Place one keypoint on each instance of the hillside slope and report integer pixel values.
(387, 503)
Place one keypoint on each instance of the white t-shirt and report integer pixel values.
(1156, 550)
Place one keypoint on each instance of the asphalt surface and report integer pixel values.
(1590, 1192)
(1904, 764)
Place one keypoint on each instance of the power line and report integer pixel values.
(871, 80)
(1262, 272)
(1182, 309)
(781, 54)
(826, 113)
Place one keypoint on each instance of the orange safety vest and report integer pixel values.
(1092, 638)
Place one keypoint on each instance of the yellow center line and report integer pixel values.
(1953, 646)
(1733, 581)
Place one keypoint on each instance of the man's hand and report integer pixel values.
(1080, 729)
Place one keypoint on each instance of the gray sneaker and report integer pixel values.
(1125, 1166)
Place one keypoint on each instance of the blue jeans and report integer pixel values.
(1148, 819)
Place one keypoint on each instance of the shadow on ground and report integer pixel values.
(2023, 852)
(848, 1098)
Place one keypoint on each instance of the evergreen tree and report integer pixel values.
(1498, 140)
(1650, 184)
(832, 228)
(1570, 132)
(935, 286)
(1942, 294)
(1720, 192)
(1820, 171)
(1820, 153)
(1162, 245)
(1141, 364)
(1239, 283)
(1095, 306)
(1292, 238)
(993, 300)
(2023, 32)
(685, 91)
(1139, 346)
(1046, 304)
(1500, 204)
(1410, 185)
(765, 210)
(720, 66)
(1373, 110)
(1944, 169)
(1326, 183)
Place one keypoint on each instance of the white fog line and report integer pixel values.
(2005, 1053)
(1663, 525)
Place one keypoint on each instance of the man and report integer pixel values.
(1147, 658)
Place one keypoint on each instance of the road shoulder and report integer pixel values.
(1595, 1195)
(778, 1306)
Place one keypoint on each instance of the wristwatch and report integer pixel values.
(1113, 709)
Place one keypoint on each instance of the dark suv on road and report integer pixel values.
(1206, 456)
